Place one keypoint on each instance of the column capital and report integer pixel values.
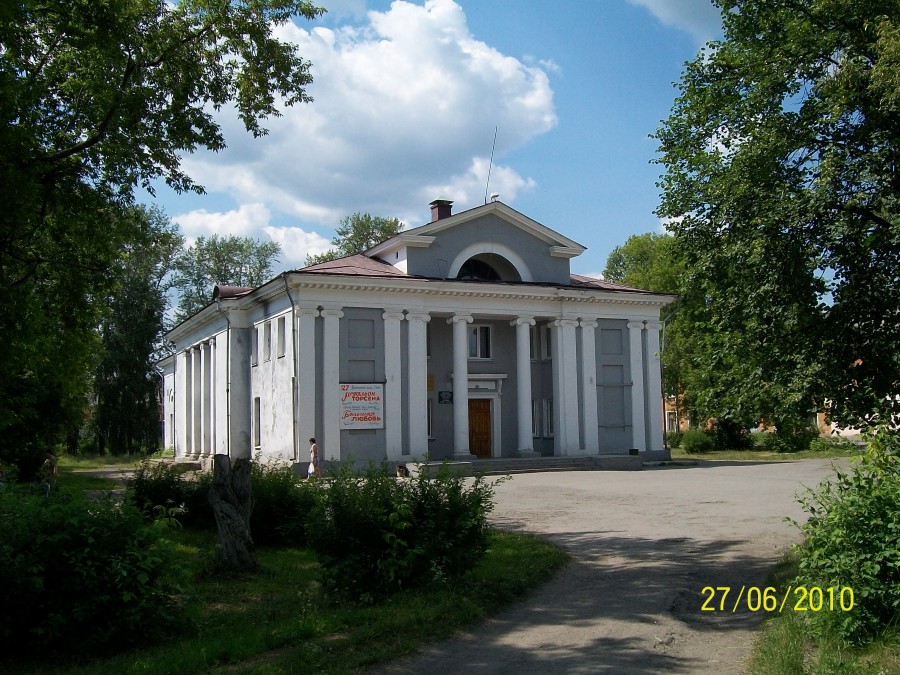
(636, 324)
(307, 311)
(332, 312)
(565, 323)
(393, 315)
(413, 315)
(653, 325)
(460, 318)
(522, 321)
(588, 322)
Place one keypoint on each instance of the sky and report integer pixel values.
(408, 97)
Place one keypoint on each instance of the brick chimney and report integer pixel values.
(440, 209)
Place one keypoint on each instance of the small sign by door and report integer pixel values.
(445, 397)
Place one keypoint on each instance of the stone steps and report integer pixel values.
(509, 465)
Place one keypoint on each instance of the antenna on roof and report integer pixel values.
(490, 165)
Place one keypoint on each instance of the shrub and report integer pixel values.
(790, 439)
(730, 435)
(831, 444)
(673, 438)
(695, 441)
(851, 541)
(80, 576)
(157, 484)
(282, 504)
(375, 534)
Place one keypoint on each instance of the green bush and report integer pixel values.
(282, 504)
(157, 484)
(375, 534)
(790, 439)
(695, 441)
(80, 576)
(730, 435)
(673, 438)
(851, 540)
(831, 444)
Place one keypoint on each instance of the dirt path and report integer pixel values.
(644, 545)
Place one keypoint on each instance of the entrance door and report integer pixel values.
(480, 423)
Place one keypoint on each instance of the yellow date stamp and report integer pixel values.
(769, 599)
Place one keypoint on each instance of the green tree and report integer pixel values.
(654, 262)
(126, 382)
(781, 186)
(648, 261)
(96, 99)
(231, 260)
(357, 233)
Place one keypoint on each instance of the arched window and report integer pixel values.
(488, 267)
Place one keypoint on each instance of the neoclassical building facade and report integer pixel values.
(466, 337)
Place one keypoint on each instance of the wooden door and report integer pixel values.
(480, 426)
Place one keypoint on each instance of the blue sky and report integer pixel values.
(407, 98)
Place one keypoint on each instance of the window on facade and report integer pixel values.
(429, 417)
(254, 346)
(281, 336)
(535, 418)
(267, 340)
(477, 269)
(548, 417)
(479, 342)
(428, 340)
(546, 345)
(257, 435)
(532, 338)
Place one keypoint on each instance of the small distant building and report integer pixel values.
(466, 337)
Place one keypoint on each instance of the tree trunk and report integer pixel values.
(232, 503)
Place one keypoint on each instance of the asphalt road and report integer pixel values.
(644, 545)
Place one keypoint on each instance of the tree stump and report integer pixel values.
(232, 503)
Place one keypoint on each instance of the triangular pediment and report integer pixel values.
(423, 235)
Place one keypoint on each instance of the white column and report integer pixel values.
(654, 387)
(589, 385)
(206, 399)
(565, 388)
(197, 402)
(523, 384)
(417, 374)
(306, 376)
(183, 403)
(331, 381)
(393, 405)
(460, 383)
(636, 355)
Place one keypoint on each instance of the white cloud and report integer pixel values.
(243, 221)
(296, 244)
(700, 18)
(252, 220)
(405, 109)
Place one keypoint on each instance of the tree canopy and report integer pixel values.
(357, 233)
(231, 260)
(97, 99)
(126, 384)
(781, 186)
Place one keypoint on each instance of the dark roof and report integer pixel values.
(358, 264)
(591, 282)
(363, 265)
(229, 292)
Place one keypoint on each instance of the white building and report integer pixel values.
(466, 336)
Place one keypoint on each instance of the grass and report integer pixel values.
(766, 455)
(99, 461)
(72, 480)
(783, 645)
(278, 621)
